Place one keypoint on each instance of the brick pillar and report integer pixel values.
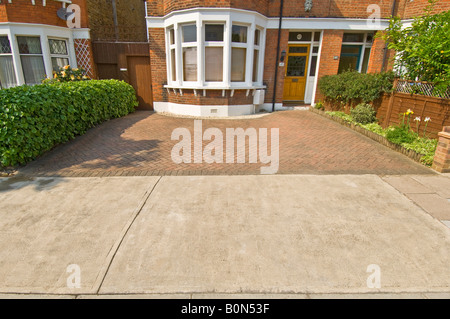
(158, 63)
(442, 156)
(331, 47)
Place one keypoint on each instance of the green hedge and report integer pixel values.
(36, 118)
(352, 87)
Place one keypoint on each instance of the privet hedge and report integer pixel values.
(352, 87)
(36, 118)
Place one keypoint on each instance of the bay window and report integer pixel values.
(209, 53)
(30, 51)
(7, 71)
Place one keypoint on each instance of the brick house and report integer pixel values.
(36, 40)
(214, 58)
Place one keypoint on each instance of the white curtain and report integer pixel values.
(59, 63)
(7, 74)
(33, 69)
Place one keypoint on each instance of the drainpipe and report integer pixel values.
(383, 65)
(278, 57)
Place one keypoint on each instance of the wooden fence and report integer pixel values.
(390, 109)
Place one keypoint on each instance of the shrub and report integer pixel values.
(364, 113)
(36, 118)
(318, 106)
(400, 135)
(352, 87)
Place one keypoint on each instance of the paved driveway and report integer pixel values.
(140, 144)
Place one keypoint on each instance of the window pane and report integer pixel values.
(172, 36)
(214, 64)
(29, 45)
(353, 37)
(255, 65)
(350, 50)
(33, 69)
(173, 65)
(190, 64)
(365, 64)
(59, 63)
(316, 36)
(298, 49)
(214, 32)
(5, 46)
(190, 33)
(238, 57)
(348, 63)
(315, 49)
(58, 47)
(239, 34)
(312, 72)
(257, 35)
(7, 74)
(296, 66)
(300, 36)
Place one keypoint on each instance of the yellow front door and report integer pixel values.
(296, 69)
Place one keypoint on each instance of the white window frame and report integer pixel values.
(214, 44)
(14, 29)
(11, 55)
(31, 54)
(364, 45)
(67, 56)
(202, 18)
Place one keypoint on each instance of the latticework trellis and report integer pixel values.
(422, 88)
(83, 55)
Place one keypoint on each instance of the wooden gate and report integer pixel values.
(127, 61)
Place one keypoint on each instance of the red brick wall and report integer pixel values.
(24, 11)
(269, 64)
(292, 8)
(376, 56)
(331, 47)
(213, 97)
(3, 14)
(163, 7)
(158, 64)
(415, 8)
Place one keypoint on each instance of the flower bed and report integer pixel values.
(420, 149)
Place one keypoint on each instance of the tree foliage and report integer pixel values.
(423, 49)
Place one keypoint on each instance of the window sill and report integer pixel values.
(227, 88)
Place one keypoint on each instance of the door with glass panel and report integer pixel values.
(296, 72)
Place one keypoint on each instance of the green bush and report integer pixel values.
(400, 135)
(36, 118)
(423, 48)
(364, 113)
(352, 87)
(318, 106)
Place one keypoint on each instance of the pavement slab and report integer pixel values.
(280, 235)
(47, 224)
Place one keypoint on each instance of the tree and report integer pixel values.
(423, 49)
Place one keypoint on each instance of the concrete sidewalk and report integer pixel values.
(281, 236)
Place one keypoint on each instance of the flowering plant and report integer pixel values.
(67, 74)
